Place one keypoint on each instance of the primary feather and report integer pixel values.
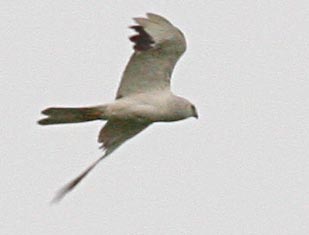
(158, 46)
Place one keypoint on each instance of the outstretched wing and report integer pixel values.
(112, 135)
(116, 132)
(158, 46)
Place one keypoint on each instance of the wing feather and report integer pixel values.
(157, 19)
(112, 135)
(158, 46)
(116, 132)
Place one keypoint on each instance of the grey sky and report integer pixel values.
(242, 168)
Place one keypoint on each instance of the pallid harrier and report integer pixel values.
(144, 94)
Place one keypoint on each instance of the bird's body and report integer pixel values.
(156, 106)
(143, 96)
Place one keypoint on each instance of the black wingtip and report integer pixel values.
(66, 189)
(71, 185)
(143, 41)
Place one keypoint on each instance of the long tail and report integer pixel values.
(71, 115)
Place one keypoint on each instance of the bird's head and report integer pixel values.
(185, 108)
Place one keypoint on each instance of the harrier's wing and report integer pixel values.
(116, 132)
(158, 46)
(112, 135)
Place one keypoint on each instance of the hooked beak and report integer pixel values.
(195, 115)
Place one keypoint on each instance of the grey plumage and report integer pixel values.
(143, 96)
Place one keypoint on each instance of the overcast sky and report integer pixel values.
(242, 168)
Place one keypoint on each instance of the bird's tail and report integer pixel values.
(71, 115)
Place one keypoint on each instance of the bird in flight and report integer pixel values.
(143, 97)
